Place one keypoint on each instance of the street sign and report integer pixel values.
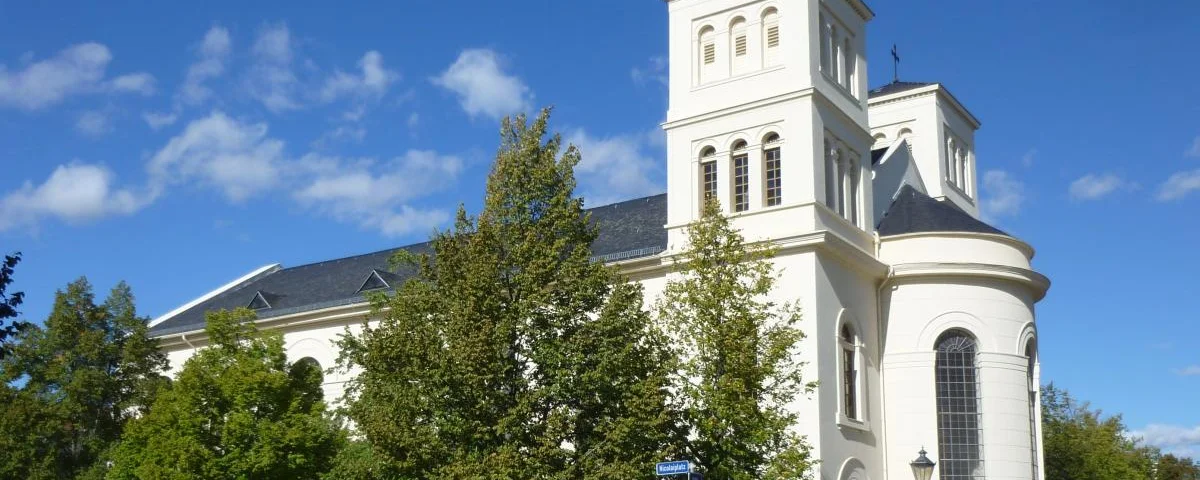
(673, 468)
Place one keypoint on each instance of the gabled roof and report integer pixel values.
(897, 87)
(915, 212)
(877, 155)
(627, 230)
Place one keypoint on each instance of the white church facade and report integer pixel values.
(919, 315)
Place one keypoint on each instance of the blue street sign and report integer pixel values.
(673, 468)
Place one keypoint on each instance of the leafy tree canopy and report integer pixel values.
(72, 385)
(238, 409)
(738, 348)
(512, 354)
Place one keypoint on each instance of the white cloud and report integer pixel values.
(213, 52)
(271, 80)
(341, 133)
(615, 168)
(1002, 194)
(158, 120)
(655, 70)
(74, 193)
(93, 123)
(75, 70)
(414, 119)
(142, 83)
(1179, 185)
(1189, 371)
(373, 82)
(237, 158)
(1094, 186)
(376, 195)
(1194, 151)
(1171, 438)
(483, 88)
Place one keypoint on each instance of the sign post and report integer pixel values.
(678, 467)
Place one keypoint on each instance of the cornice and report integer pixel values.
(1014, 242)
(1035, 281)
(806, 92)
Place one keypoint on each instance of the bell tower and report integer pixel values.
(768, 115)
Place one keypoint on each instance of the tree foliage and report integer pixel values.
(9, 302)
(1081, 443)
(237, 409)
(82, 377)
(737, 348)
(512, 354)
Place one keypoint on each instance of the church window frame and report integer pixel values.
(772, 155)
(739, 162)
(771, 33)
(832, 187)
(850, 374)
(852, 188)
(706, 54)
(958, 405)
(708, 175)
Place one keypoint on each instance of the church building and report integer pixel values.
(919, 315)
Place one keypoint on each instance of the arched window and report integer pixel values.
(843, 164)
(739, 45)
(708, 175)
(849, 349)
(959, 441)
(832, 188)
(770, 36)
(740, 162)
(772, 171)
(706, 49)
(1034, 405)
(848, 63)
(960, 164)
(950, 161)
(825, 45)
(851, 188)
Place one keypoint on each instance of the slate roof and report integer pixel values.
(896, 87)
(915, 212)
(877, 155)
(629, 229)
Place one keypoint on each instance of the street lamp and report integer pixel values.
(922, 467)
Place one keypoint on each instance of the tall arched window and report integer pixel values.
(849, 348)
(772, 171)
(852, 179)
(832, 187)
(740, 162)
(951, 163)
(739, 45)
(708, 175)
(1034, 405)
(848, 63)
(770, 36)
(706, 49)
(958, 417)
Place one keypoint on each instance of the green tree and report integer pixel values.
(73, 385)
(1172, 467)
(1082, 444)
(512, 354)
(737, 348)
(237, 409)
(9, 302)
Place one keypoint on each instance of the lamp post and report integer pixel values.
(922, 466)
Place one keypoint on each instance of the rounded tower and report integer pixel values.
(959, 363)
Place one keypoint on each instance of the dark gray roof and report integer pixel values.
(896, 87)
(915, 212)
(627, 230)
(877, 155)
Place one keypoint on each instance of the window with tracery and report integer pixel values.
(960, 448)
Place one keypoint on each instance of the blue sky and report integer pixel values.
(178, 147)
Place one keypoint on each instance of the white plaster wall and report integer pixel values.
(996, 312)
(846, 294)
